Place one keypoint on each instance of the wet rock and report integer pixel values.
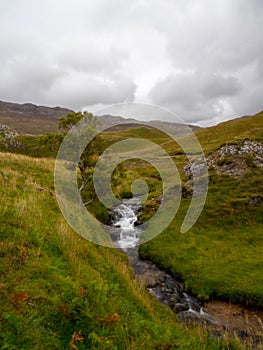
(188, 317)
(179, 307)
(148, 279)
(159, 283)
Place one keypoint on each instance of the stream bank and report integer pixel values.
(220, 318)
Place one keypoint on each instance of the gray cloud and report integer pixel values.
(51, 56)
(194, 95)
(78, 90)
(220, 44)
(201, 59)
(25, 73)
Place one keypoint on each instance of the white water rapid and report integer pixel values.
(160, 284)
(129, 234)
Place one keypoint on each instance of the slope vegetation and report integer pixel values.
(58, 291)
(221, 256)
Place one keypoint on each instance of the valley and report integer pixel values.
(62, 284)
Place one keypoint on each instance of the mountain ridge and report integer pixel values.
(33, 119)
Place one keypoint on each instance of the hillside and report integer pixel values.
(29, 110)
(59, 291)
(28, 118)
(231, 131)
(107, 121)
(221, 256)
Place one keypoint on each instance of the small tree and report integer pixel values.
(90, 153)
(51, 140)
(72, 118)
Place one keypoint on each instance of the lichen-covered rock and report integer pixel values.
(231, 159)
(251, 147)
(196, 170)
(7, 138)
(237, 159)
(7, 131)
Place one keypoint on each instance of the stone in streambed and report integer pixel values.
(179, 307)
(148, 279)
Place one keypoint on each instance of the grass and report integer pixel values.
(231, 131)
(33, 146)
(28, 125)
(61, 284)
(221, 256)
(59, 291)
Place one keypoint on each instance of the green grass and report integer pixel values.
(221, 256)
(54, 283)
(33, 147)
(231, 131)
(224, 261)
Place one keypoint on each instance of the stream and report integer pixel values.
(221, 318)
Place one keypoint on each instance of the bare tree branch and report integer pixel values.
(86, 203)
(83, 185)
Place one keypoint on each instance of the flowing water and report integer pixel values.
(160, 284)
(221, 318)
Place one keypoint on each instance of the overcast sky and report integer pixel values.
(200, 59)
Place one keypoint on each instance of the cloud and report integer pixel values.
(194, 95)
(52, 57)
(201, 59)
(26, 75)
(216, 52)
(79, 90)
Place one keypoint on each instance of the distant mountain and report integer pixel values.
(29, 118)
(174, 128)
(29, 110)
(33, 119)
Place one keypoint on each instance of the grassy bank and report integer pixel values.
(58, 291)
(221, 256)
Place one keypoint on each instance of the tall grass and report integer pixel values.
(58, 291)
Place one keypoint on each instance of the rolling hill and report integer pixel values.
(28, 118)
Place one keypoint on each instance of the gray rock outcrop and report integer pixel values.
(7, 138)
